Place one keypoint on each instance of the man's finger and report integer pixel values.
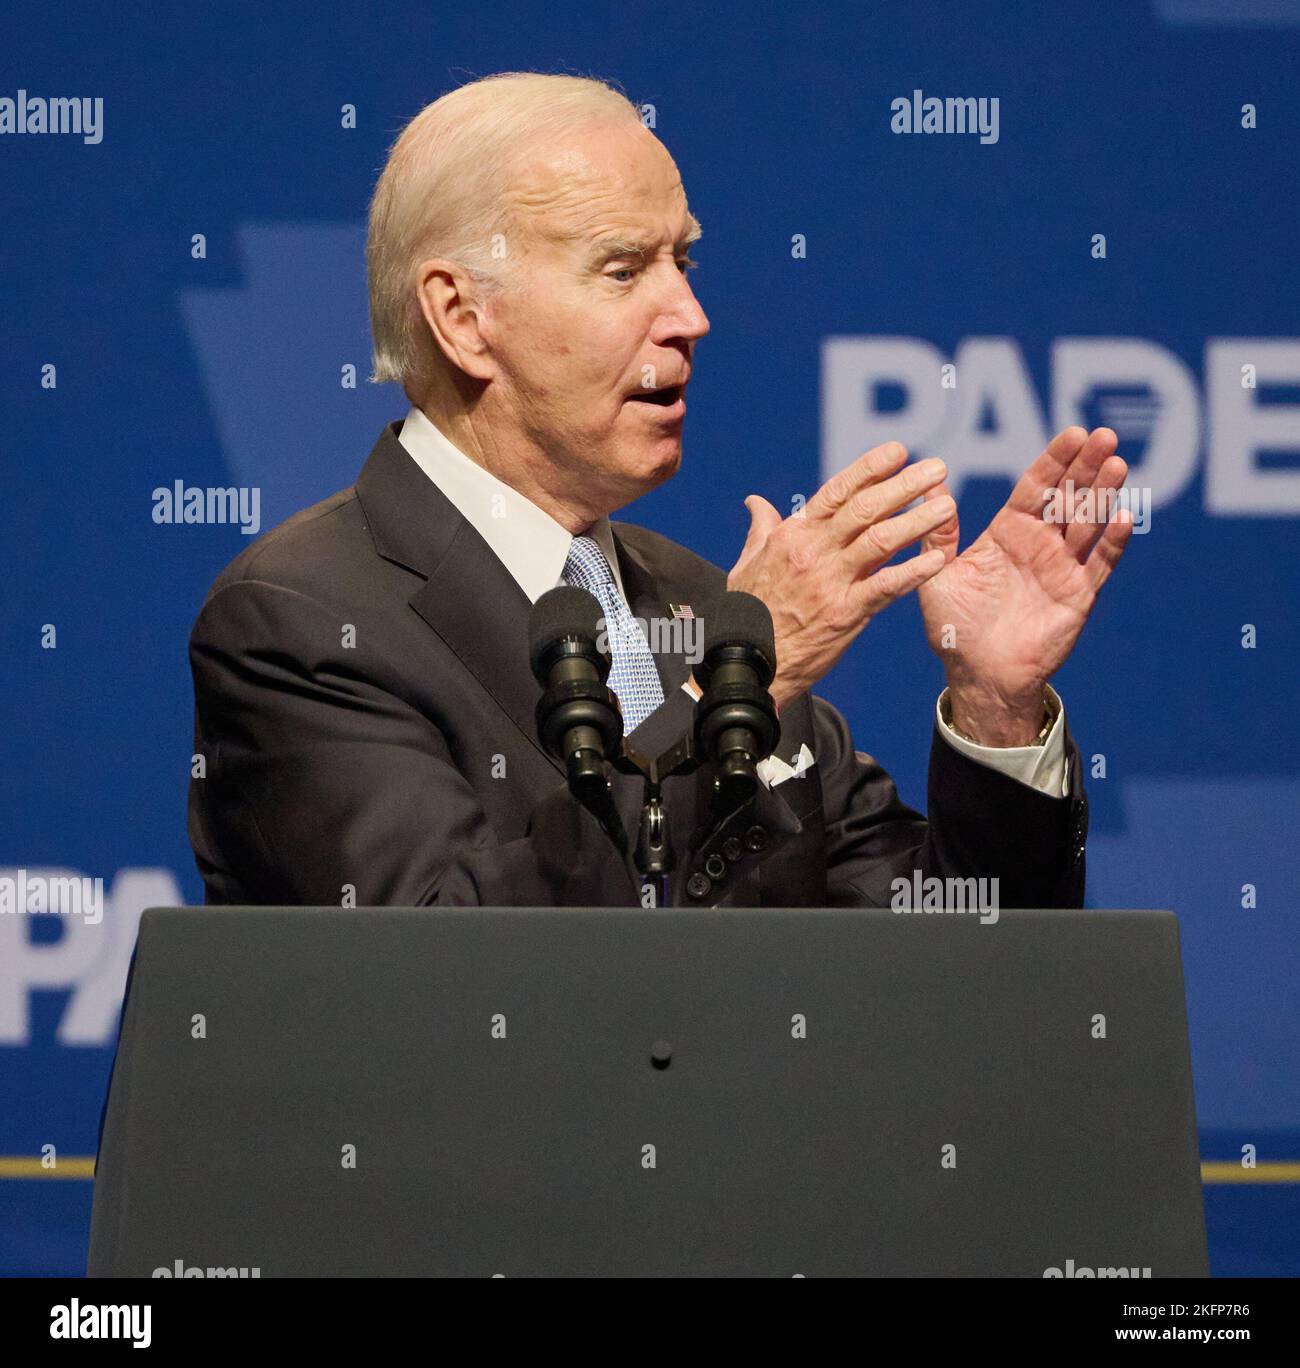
(891, 582)
(1087, 464)
(1105, 555)
(1047, 471)
(882, 540)
(871, 466)
(1083, 531)
(873, 502)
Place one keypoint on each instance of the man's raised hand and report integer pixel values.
(822, 572)
(1005, 614)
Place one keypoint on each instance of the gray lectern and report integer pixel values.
(613, 1092)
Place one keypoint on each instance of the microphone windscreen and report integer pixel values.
(563, 611)
(736, 618)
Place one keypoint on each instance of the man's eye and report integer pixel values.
(624, 274)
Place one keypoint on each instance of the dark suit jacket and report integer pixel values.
(365, 706)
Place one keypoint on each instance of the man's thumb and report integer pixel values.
(945, 537)
(763, 518)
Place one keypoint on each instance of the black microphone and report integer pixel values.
(578, 716)
(735, 719)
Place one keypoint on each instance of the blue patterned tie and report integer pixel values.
(633, 676)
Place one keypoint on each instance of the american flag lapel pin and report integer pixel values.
(681, 610)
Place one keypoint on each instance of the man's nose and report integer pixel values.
(682, 316)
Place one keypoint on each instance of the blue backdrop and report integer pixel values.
(842, 263)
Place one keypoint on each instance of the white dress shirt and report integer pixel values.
(534, 548)
(524, 538)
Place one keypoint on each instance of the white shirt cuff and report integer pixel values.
(1044, 767)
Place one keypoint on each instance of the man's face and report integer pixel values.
(598, 315)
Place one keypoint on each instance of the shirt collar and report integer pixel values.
(531, 545)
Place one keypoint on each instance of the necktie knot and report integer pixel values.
(587, 567)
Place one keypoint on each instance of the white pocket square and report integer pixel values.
(774, 770)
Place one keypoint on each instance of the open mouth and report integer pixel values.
(665, 398)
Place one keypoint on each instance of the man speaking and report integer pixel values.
(363, 692)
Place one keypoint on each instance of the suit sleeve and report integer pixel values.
(319, 780)
(982, 824)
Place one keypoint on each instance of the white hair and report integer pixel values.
(441, 194)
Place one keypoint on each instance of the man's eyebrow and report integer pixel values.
(616, 245)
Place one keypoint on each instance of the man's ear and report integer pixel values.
(454, 313)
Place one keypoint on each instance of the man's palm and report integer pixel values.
(1008, 610)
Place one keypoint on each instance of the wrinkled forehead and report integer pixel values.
(567, 189)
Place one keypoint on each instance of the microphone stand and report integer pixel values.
(654, 855)
(727, 715)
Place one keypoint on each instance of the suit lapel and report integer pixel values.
(651, 584)
(473, 602)
(468, 598)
